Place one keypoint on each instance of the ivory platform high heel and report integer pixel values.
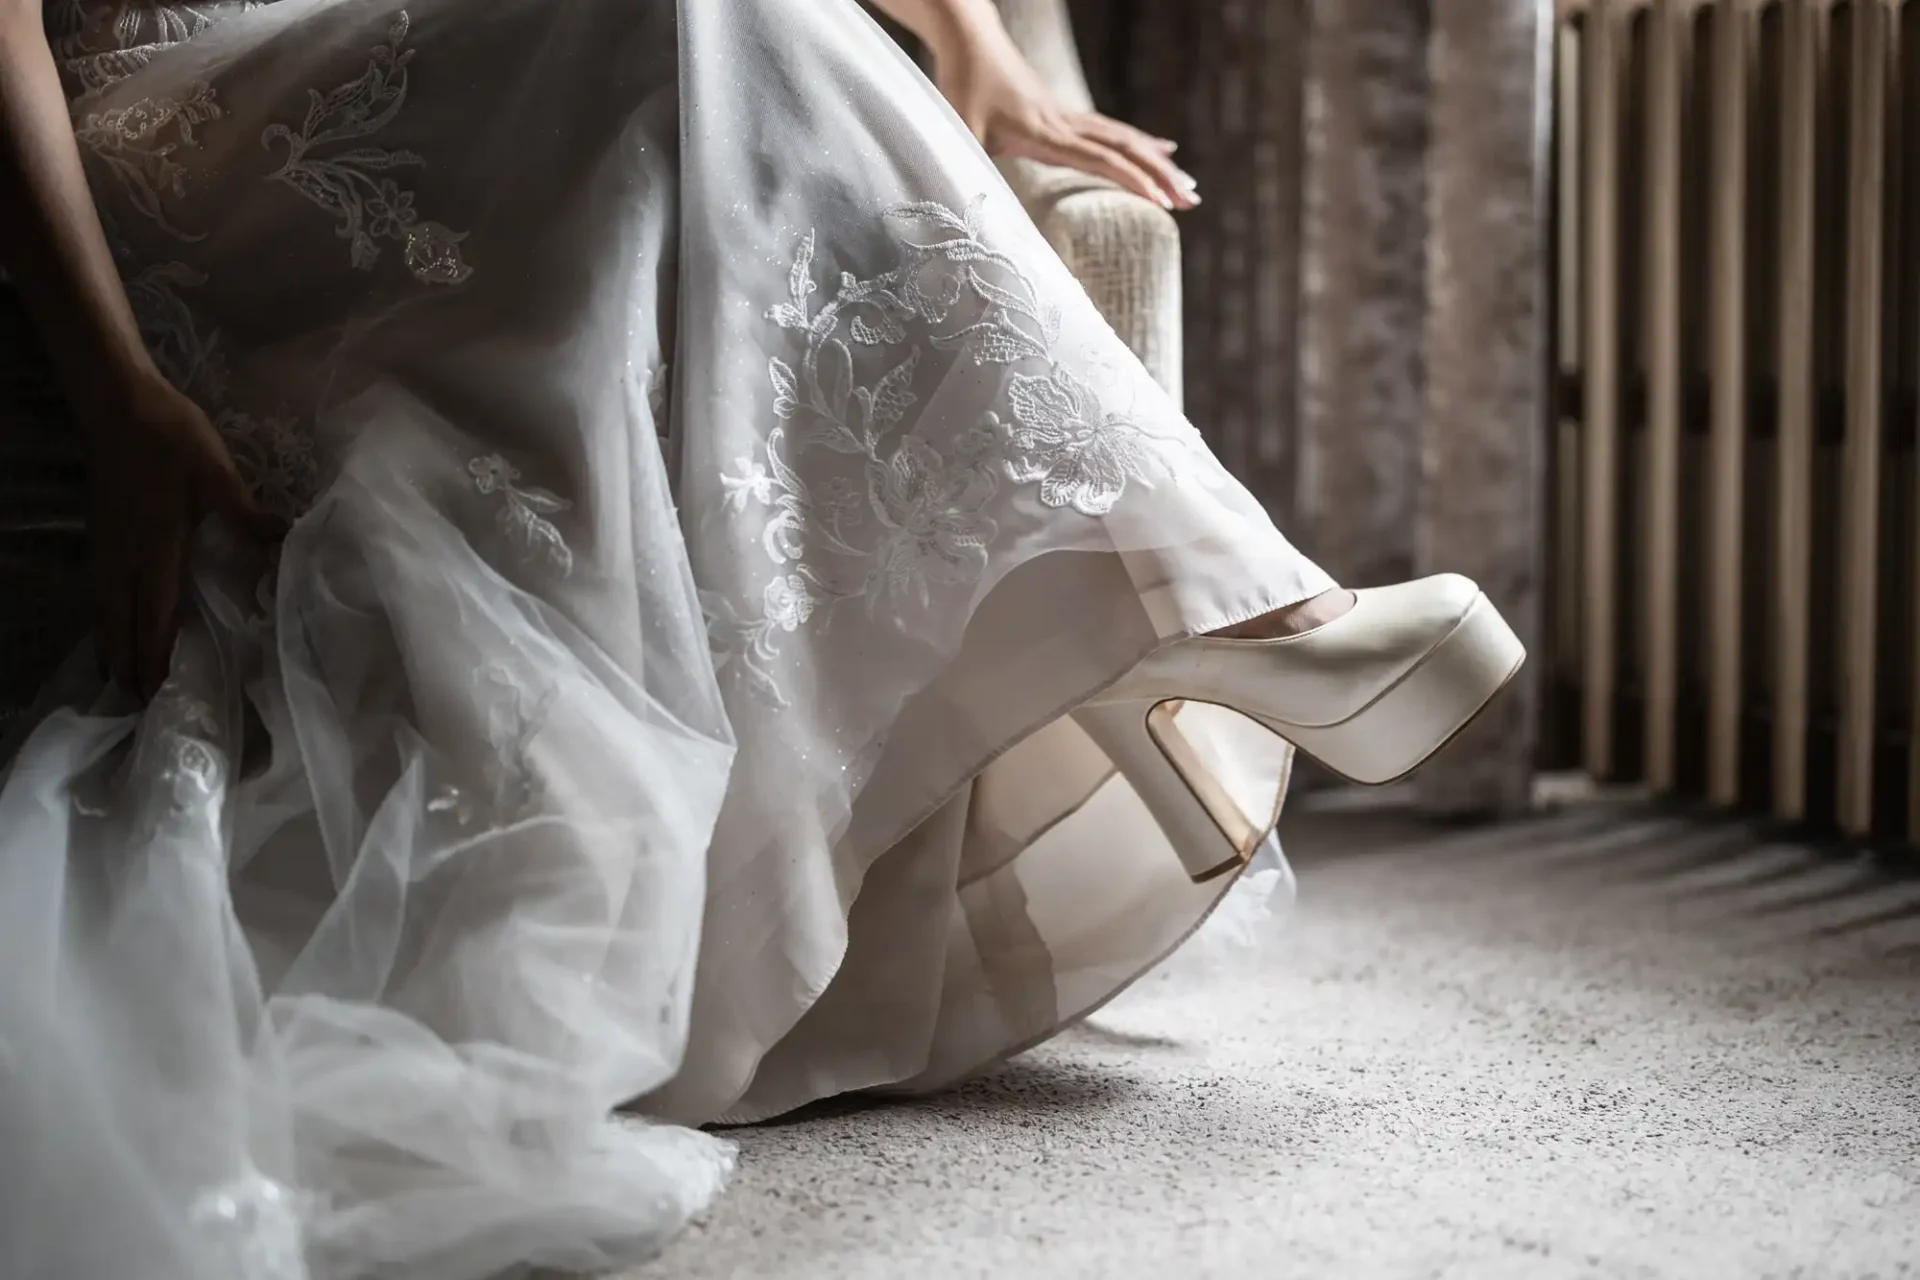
(1370, 695)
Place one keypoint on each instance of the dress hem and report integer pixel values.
(739, 1119)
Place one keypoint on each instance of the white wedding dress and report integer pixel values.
(712, 496)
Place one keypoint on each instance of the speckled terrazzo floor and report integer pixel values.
(1598, 1044)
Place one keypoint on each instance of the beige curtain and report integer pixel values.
(1225, 78)
(1365, 323)
(1482, 485)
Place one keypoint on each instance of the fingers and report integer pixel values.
(113, 616)
(110, 550)
(225, 494)
(1151, 155)
(137, 596)
(1119, 153)
(156, 610)
(1090, 155)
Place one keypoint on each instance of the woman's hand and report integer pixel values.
(157, 467)
(1001, 98)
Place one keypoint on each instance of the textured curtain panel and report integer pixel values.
(1225, 78)
(1483, 454)
(1365, 323)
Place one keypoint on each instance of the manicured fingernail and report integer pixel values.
(1185, 179)
(1168, 144)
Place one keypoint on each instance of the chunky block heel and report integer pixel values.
(1371, 695)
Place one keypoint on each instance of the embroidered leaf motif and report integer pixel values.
(539, 537)
(786, 391)
(886, 333)
(1050, 322)
(835, 378)
(932, 213)
(523, 511)
(990, 343)
(892, 396)
(800, 276)
(368, 209)
(971, 221)
(830, 433)
(993, 295)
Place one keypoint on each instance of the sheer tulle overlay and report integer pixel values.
(712, 494)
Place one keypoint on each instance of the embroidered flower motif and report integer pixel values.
(277, 458)
(433, 254)
(743, 645)
(101, 42)
(140, 145)
(753, 484)
(192, 774)
(491, 473)
(849, 392)
(368, 208)
(389, 210)
(931, 510)
(789, 603)
(983, 437)
(933, 285)
(841, 499)
(524, 511)
(1080, 456)
(178, 741)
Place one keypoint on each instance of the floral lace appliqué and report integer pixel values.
(101, 42)
(524, 511)
(140, 144)
(178, 745)
(1079, 454)
(348, 182)
(908, 512)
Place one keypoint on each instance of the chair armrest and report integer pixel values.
(1124, 250)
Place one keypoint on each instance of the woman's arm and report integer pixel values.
(940, 22)
(155, 464)
(51, 243)
(1002, 100)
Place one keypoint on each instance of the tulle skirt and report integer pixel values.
(711, 497)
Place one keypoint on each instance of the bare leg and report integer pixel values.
(1293, 620)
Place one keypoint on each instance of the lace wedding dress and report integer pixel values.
(712, 496)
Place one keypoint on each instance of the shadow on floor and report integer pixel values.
(1023, 1091)
(1703, 871)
